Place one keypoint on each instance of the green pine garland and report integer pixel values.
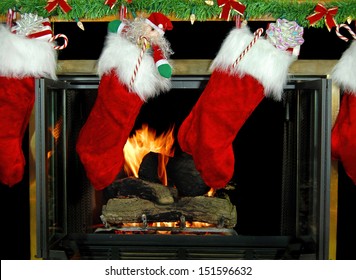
(182, 9)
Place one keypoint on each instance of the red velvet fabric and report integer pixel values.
(102, 139)
(17, 97)
(343, 135)
(212, 125)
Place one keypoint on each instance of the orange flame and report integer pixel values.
(144, 141)
(167, 227)
(137, 146)
(57, 129)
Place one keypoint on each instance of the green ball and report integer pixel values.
(165, 70)
(114, 26)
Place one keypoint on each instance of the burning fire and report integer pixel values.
(144, 141)
(164, 227)
(169, 224)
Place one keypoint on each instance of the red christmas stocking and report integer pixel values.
(211, 127)
(103, 137)
(230, 97)
(16, 102)
(343, 135)
(21, 60)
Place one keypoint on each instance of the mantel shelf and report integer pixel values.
(197, 67)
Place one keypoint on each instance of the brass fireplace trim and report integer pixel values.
(198, 67)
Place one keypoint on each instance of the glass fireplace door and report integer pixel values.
(306, 164)
(50, 163)
(68, 208)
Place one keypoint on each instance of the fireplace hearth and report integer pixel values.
(274, 207)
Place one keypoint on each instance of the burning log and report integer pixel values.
(182, 171)
(131, 186)
(205, 209)
(149, 169)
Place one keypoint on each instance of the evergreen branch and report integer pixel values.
(182, 9)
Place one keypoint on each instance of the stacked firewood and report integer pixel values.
(185, 196)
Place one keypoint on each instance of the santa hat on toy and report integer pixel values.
(159, 22)
(21, 61)
(233, 92)
(127, 81)
(343, 134)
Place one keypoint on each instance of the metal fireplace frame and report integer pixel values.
(113, 246)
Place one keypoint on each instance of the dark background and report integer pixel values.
(199, 41)
(202, 40)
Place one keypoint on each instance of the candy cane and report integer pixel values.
(257, 35)
(123, 12)
(143, 49)
(238, 21)
(10, 17)
(348, 29)
(60, 36)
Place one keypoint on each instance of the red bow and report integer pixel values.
(52, 4)
(110, 3)
(320, 12)
(227, 5)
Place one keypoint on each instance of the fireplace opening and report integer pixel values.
(271, 209)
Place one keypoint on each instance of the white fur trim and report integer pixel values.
(21, 56)
(121, 28)
(263, 61)
(344, 72)
(161, 62)
(155, 27)
(122, 55)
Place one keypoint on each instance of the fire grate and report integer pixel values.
(152, 228)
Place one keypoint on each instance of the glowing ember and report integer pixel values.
(199, 225)
(163, 228)
(144, 141)
(169, 225)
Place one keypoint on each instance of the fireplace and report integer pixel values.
(280, 189)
